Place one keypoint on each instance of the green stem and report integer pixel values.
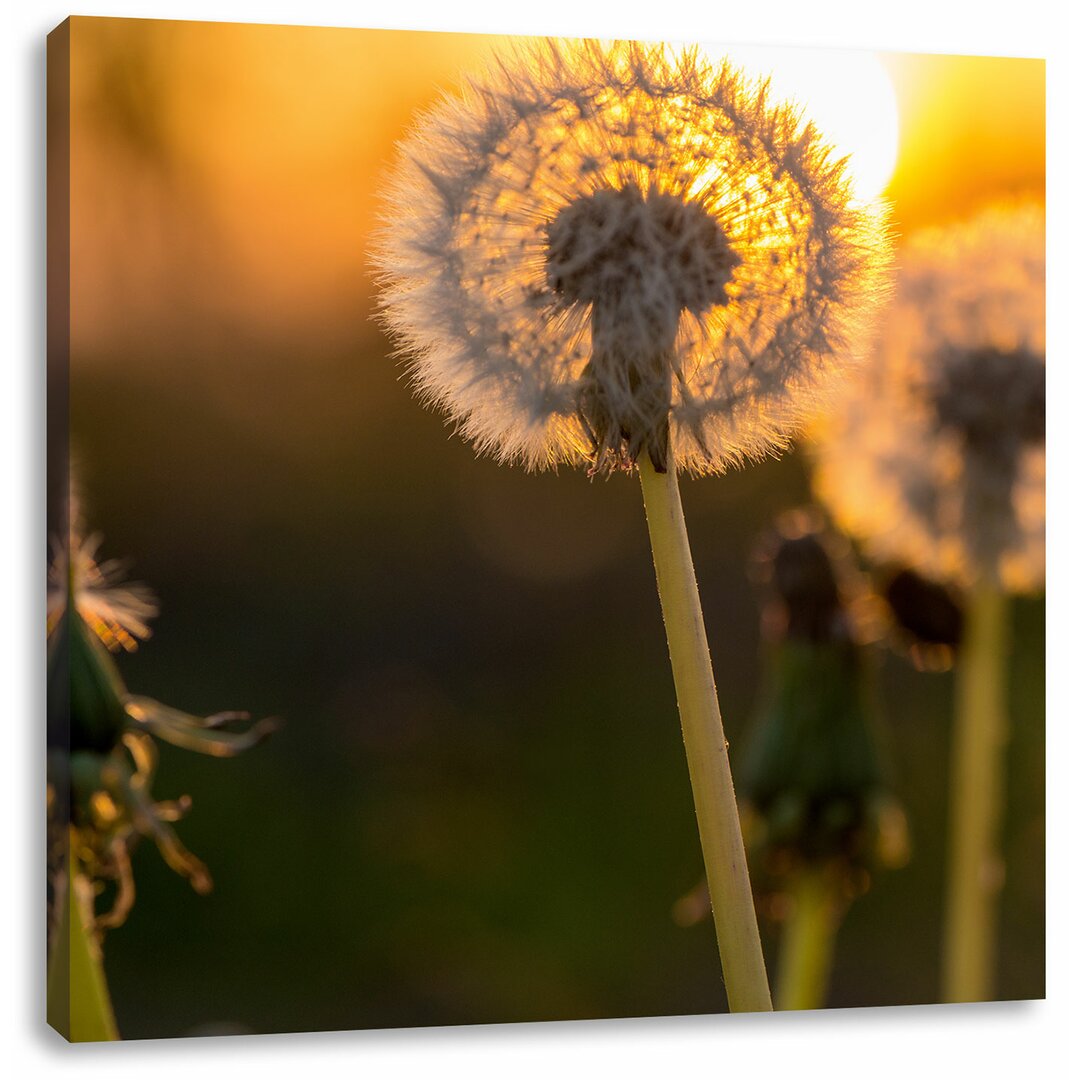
(706, 748)
(77, 996)
(977, 792)
(807, 942)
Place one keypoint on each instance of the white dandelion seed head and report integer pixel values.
(935, 455)
(600, 250)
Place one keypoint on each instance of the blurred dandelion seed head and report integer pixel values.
(602, 249)
(935, 455)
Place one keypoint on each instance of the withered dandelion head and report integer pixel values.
(599, 251)
(936, 454)
(101, 737)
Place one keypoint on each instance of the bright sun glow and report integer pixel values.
(848, 94)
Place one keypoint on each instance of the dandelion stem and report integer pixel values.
(706, 748)
(807, 942)
(977, 792)
(77, 996)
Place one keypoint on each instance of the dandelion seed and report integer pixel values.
(935, 456)
(601, 251)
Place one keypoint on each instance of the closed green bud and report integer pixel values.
(812, 772)
(811, 769)
(98, 693)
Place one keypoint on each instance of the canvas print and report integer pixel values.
(539, 529)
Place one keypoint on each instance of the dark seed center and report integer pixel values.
(620, 245)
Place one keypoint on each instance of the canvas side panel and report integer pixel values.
(58, 343)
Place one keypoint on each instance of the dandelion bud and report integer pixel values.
(807, 589)
(97, 693)
(813, 774)
(927, 618)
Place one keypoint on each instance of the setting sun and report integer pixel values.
(848, 94)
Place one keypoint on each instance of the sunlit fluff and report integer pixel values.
(936, 455)
(118, 613)
(598, 251)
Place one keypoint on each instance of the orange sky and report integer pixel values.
(226, 173)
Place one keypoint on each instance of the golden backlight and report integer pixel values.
(224, 175)
(848, 95)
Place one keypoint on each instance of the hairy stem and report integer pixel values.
(807, 942)
(977, 792)
(706, 748)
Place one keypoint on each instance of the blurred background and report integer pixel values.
(478, 808)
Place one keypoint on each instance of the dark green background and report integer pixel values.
(478, 809)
